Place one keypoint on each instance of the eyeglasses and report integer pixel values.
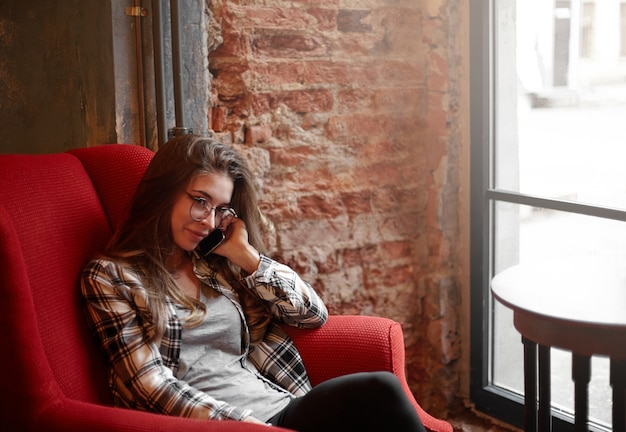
(201, 209)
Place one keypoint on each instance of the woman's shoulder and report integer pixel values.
(110, 275)
(103, 262)
(112, 268)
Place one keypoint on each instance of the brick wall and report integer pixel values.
(348, 112)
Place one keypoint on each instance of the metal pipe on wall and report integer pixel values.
(140, 80)
(177, 61)
(159, 70)
(160, 74)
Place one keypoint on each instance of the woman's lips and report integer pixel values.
(198, 236)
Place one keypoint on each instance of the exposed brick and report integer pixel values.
(271, 74)
(325, 18)
(354, 100)
(328, 265)
(352, 21)
(402, 101)
(437, 72)
(258, 134)
(309, 232)
(299, 101)
(356, 125)
(334, 4)
(320, 206)
(318, 3)
(292, 156)
(397, 249)
(357, 202)
(228, 81)
(276, 17)
(380, 174)
(288, 45)
(313, 72)
(218, 118)
(351, 257)
(402, 73)
(399, 275)
(359, 45)
(235, 44)
(359, 167)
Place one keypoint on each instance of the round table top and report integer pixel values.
(575, 307)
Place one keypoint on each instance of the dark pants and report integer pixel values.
(369, 401)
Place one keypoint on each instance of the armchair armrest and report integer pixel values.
(351, 343)
(348, 344)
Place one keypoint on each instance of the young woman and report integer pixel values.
(197, 336)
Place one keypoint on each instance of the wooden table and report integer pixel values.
(578, 308)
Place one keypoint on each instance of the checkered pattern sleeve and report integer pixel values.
(141, 378)
(292, 301)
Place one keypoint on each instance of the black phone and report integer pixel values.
(210, 242)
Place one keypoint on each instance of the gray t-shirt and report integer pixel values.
(213, 360)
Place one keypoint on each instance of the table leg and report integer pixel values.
(545, 400)
(530, 385)
(618, 382)
(581, 374)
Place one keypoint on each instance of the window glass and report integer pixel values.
(557, 97)
(559, 115)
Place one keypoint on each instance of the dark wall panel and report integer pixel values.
(56, 75)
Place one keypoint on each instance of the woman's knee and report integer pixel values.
(385, 382)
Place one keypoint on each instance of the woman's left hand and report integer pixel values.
(251, 419)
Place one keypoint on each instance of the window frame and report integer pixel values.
(487, 398)
(497, 402)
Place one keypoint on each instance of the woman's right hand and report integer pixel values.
(237, 249)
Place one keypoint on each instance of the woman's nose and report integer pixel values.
(209, 220)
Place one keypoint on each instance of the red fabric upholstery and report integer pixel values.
(348, 344)
(57, 211)
(114, 177)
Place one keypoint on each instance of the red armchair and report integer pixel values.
(57, 211)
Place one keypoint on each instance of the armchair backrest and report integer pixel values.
(56, 212)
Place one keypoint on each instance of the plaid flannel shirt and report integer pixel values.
(142, 375)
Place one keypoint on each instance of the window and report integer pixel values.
(622, 29)
(586, 29)
(548, 180)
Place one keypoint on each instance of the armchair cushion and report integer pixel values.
(56, 212)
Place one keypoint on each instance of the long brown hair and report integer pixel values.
(145, 239)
